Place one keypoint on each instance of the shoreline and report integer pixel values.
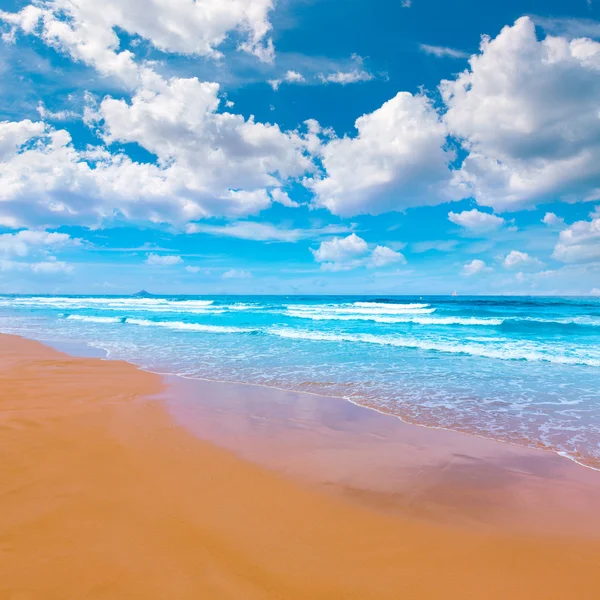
(75, 346)
(102, 495)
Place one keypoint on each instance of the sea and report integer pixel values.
(522, 370)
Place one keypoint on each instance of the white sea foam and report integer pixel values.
(65, 301)
(368, 309)
(316, 316)
(153, 305)
(388, 305)
(178, 325)
(505, 351)
(95, 319)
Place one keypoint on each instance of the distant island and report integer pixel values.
(142, 294)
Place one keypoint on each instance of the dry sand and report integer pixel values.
(103, 496)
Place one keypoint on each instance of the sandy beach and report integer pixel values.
(104, 493)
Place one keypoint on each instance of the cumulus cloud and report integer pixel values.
(289, 76)
(396, 161)
(443, 51)
(163, 260)
(516, 259)
(14, 134)
(192, 269)
(281, 197)
(476, 221)
(340, 249)
(236, 274)
(580, 242)
(87, 30)
(32, 252)
(178, 121)
(343, 254)
(474, 267)
(208, 163)
(27, 242)
(553, 220)
(527, 113)
(294, 77)
(383, 256)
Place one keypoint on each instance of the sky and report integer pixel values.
(300, 147)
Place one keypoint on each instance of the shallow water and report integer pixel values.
(522, 370)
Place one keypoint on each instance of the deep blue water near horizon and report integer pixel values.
(522, 370)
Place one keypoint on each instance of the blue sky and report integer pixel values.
(300, 146)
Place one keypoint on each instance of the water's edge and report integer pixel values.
(86, 350)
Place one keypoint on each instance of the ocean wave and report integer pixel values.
(469, 321)
(505, 352)
(95, 319)
(64, 301)
(179, 325)
(352, 309)
(241, 306)
(389, 305)
(564, 322)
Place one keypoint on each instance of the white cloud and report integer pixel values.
(343, 254)
(215, 152)
(86, 29)
(192, 269)
(264, 232)
(163, 260)
(443, 51)
(61, 115)
(26, 242)
(383, 256)
(595, 292)
(209, 163)
(516, 259)
(37, 247)
(396, 161)
(14, 134)
(474, 267)
(283, 198)
(50, 266)
(553, 220)
(340, 249)
(346, 77)
(580, 242)
(356, 74)
(237, 274)
(316, 72)
(477, 221)
(289, 76)
(527, 112)
(294, 77)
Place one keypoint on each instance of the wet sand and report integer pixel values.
(377, 460)
(103, 495)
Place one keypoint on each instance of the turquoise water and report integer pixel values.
(521, 370)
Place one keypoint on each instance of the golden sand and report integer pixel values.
(103, 497)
